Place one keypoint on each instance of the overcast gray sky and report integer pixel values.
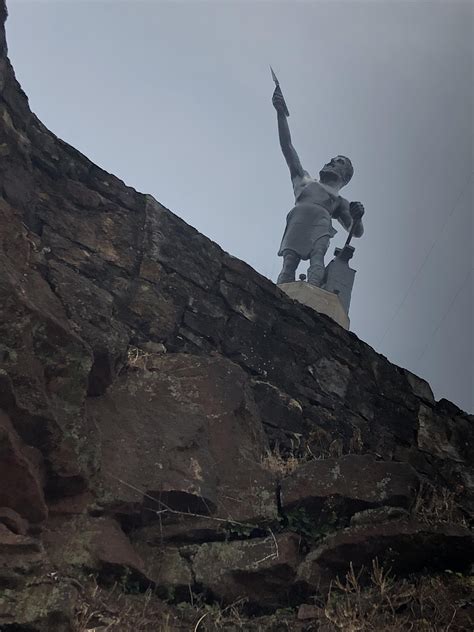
(175, 99)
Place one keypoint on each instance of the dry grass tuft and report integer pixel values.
(142, 359)
(372, 601)
(387, 604)
(352, 607)
(213, 617)
(319, 445)
(434, 505)
(137, 358)
(281, 465)
(111, 610)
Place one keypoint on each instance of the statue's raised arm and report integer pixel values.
(291, 157)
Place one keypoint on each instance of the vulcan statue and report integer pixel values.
(309, 223)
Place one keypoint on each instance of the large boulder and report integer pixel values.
(404, 546)
(259, 570)
(42, 606)
(21, 556)
(169, 568)
(183, 437)
(44, 365)
(340, 487)
(21, 486)
(84, 543)
(13, 521)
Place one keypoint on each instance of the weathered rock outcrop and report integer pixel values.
(358, 482)
(403, 545)
(154, 392)
(198, 442)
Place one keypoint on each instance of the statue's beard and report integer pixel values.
(329, 176)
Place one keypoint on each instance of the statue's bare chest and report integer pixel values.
(311, 191)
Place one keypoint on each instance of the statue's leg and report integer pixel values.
(316, 270)
(290, 262)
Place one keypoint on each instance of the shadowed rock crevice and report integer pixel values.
(178, 501)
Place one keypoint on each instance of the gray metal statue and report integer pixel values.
(308, 224)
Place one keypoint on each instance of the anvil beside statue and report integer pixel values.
(340, 276)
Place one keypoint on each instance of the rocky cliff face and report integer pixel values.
(171, 421)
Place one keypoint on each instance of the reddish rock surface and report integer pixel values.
(348, 484)
(91, 544)
(145, 374)
(20, 485)
(13, 521)
(22, 558)
(402, 546)
(259, 570)
(196, 444)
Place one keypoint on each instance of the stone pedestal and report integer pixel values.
(318, 299)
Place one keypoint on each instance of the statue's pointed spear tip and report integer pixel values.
(277, 83)
(274, 77)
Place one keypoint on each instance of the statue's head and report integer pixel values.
(338, 169)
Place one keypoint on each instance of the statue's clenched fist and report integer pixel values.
(279, 102)
(357, 210)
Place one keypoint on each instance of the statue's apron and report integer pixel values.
(309, 221)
